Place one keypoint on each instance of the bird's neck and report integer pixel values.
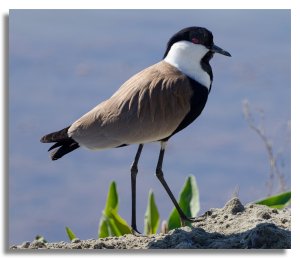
(188, 58)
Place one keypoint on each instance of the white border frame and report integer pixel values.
(171, 4)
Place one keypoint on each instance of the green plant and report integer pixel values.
(278, 201)
(111, 223)
(151, 216)
(70, 233)
(188, 201)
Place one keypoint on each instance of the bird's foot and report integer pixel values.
(185, 219)
(135, 232)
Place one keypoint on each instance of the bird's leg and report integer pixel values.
(160, 176)
(134, 171)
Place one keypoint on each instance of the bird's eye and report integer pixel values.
(195, 41)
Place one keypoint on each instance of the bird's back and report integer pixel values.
(148, 107)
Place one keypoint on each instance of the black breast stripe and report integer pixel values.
(198, 101)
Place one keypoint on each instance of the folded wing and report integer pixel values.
(148, 107)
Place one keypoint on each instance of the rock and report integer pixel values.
(36, 245)
(268, 236)
(234, 226)
(233, 206)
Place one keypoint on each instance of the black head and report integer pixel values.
(196, 35)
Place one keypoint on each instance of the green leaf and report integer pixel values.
(188, 201)
(113, 228)
(103, 228)
(278, 201)
(70, 233)
(120, 223)
(112, 199)
(151, 216)
(114, 225)
(111, 223)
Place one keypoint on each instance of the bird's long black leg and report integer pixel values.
(134, 171)
(160, 176)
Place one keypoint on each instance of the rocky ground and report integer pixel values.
(234, 226)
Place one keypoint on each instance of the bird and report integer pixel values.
(151, 106)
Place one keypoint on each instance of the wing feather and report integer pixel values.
(148, 107)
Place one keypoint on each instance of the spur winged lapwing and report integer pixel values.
(152, 105)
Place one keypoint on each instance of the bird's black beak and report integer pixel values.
(219, 50)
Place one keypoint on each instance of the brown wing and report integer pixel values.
(148, 107)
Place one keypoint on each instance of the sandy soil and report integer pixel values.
(234, 226)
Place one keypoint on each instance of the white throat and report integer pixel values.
(186, 56)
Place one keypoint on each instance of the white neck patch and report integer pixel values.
(186, 56)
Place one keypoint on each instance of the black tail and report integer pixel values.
(65, 143)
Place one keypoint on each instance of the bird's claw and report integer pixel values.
(135, 232)
(192, 219)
